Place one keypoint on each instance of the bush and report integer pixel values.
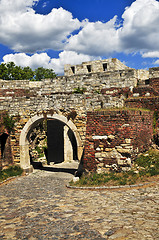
(10, 172)
(148, 164)
(79, 90)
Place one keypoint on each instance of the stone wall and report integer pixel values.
(154, 72)
(24, 99)
(107, 85)
(95, 66)
(113, 138)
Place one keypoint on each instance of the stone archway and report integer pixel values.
(24, 136)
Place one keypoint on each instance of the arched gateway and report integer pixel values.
(24, 138)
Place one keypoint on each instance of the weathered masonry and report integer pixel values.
(81, 105)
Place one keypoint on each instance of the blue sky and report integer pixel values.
(51, 33)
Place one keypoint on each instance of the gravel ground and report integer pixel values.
(39, 206)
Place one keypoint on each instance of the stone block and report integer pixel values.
(111, 137)
(108, 149)
(123, 150)
(98, 155)
(128, 140)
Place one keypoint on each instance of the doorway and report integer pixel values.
(55, 141)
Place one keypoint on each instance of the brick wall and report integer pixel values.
(154, 82)
(115, 137)
(151, 103)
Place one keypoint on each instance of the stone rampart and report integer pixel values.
(100, 85)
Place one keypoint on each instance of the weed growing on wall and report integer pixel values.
(8, 122)
(79, 90)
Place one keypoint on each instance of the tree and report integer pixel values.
(28, 73)
(10, 71)
(43, 73)
(3, 71)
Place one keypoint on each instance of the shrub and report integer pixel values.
(79, 90)
(10, 172)
(148, 164)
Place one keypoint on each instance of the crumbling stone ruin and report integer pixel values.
(105, 112)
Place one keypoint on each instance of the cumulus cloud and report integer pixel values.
(25, 31)
(138, 33)
(96, 38)
(154, 54)
(42, 59)
(140, 26)
(23, 60)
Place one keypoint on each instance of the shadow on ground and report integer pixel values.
(38, 165)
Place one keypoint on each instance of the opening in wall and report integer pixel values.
(73, 70)
(104, 67)
(147, 82)
(89, 68)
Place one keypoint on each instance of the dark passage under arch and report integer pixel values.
(55, 141)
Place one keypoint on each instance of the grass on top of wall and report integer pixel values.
(145, 168)
(10, 172)
(122, 109)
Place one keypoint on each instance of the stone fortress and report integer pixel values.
(107, 113)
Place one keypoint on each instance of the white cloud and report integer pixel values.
(154, 54)
(96, 38)
(140, 27)
(43, 60)
(139, 32)
(23, 60)
(156, 62)
(25, 31)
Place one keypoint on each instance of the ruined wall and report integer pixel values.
(115, 137)
(151, 103)
(154, 72)
(154, 78)
(94, 66)
(98, 89)
(154, 83)
(25, 99)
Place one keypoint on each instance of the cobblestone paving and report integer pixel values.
(39, 206)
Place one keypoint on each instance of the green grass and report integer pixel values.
(146, 166)
(149, 162)
(10, 172)
(122, 109)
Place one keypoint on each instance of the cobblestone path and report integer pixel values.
(39, 206)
